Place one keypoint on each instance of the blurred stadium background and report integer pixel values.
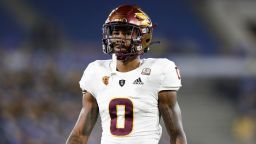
(45, 45)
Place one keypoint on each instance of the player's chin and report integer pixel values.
(120, 56)
(125, 57)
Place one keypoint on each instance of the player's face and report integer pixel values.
(121, 37)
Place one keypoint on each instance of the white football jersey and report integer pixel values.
(128, 101)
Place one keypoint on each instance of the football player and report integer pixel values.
(130, 94)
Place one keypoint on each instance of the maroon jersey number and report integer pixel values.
(114, 105)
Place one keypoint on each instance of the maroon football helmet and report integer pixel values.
(137, 27)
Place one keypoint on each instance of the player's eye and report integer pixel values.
(115, 33)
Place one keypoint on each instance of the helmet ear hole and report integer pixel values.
(147, 40)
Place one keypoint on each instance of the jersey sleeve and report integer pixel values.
(86, 83)
(170, 79)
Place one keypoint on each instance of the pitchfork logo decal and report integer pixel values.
(121, 82)
(105, 80)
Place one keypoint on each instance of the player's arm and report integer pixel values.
(86, 121)
(171, 114)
